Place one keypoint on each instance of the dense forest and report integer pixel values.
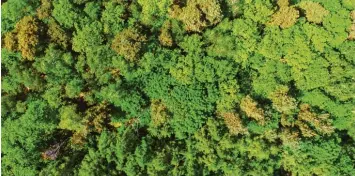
(178, 87)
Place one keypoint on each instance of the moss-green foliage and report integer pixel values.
(171, 87)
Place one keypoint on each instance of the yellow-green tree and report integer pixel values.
(165, 37)
(234, 123)
(314, 11)
(249, 106)
(128, 43)
(198, 14)
(310, 123)
(28, 36)
(10, 41)
(286, 16)
(44, 11)
(281, 101)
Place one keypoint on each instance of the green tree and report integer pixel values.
(87, 37)
(65, 13)
(13, 11)
(24, 138)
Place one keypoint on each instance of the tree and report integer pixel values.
(65, 13)
(234, 123)
(314, 11)
(281, 101)
(249, 106)
(349, 4)
(165, 37)
(45, 9)
(10, 41)
(87, 37)
(113, 17)
(197, 15)
(178, 87)
(154, 12)
(352, 28)
(259, 11)
(128, 43)
(286, 16)
(28, 36)
(321, 122)
(326, 156)
(57, 34)
(13, 11)
(24, 137)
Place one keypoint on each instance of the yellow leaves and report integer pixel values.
(283, 3)
(24, 38)
(128, 43)
(10, 41)
(198, 14)
(234, 123)
(116, 124)
(281, 101)
(159, 113)
(165, 37)
(320, 123)
(211, 10)
(96, 117)
(44, 10)
(160, 117)
(286, 16)
(27, 35)
(78, 138)
(249, 106)
(234, 6)
(305, 129)
(289, 137)
(57, 34)
(314, 11)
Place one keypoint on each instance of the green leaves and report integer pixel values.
(113, 17)
(12, 11)
(70, 119)
(88, 37)
(24, 137)
(65, 13)
(154, 12)
(194, 87)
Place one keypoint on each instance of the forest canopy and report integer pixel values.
(178, 87)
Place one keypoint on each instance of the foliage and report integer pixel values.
(128, 43)
(178, 87)
(314, 11)
(197, 15)
(286, 16)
